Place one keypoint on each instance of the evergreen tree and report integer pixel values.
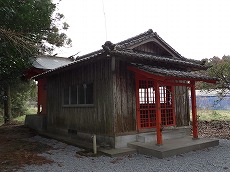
(27, 28)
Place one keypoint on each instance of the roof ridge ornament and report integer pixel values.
(150, 31)
(108, 46)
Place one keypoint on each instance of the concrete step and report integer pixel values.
(173, 147)
(166, 134)
(150, 137)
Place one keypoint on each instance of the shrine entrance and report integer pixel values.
(146, 104)
(155, 100)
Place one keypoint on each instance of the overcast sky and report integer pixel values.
(197, 29)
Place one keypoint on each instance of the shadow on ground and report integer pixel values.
(16, 151)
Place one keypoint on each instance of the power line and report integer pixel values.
(104, 19)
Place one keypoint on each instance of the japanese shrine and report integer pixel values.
(126, 93)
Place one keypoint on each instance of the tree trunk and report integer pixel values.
(7, 104)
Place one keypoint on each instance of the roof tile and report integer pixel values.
(174, 73)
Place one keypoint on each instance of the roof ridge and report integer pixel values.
(130, 41)
(155, 58)
(147, 33)
(89, 54)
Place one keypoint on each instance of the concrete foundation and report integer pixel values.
(120, 141)
(175, 141)
(77, 136)
(37, 122)
(168, 133)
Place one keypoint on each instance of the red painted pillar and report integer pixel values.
(194, 112)
(137, 104)
(158, 113)
(42, 96)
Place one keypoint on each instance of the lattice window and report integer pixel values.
(166, 101)
(147, 106)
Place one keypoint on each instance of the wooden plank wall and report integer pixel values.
(114, 110)
(153, 48)
(124, 99)
(97, 119)
(182, 106)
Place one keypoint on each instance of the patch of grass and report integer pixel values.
(20, 118)
(1, 120)
(209, 115)
(31, 110)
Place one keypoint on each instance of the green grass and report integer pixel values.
(203, 115)
(29, 111)
(20, 118)
(208, 115)
(1, 120)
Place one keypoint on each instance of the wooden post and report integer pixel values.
(194, 112)
(158, 113)
(137, 103)
(39, 97)
(7, 104)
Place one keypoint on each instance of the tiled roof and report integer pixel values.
(90, 55)
(145, 36)
(144, 58)
(121, 48)
(137, 39)
(173, 73)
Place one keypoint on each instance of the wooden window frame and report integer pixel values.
(85, 104)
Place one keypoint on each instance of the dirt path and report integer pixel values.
(215, 129)
(15, 151)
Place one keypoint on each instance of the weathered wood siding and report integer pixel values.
(153, 48)
(182, 106)
(97, 119)
(114, 110)
(124, 99)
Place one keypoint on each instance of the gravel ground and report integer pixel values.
(65, 159)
